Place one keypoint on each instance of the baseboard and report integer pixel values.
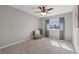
(5, 46)
(76, 51)
(75, 48)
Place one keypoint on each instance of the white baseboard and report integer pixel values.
(8, 45)
(77, 51)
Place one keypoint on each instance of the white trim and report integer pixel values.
(76, 50)
(8, 45)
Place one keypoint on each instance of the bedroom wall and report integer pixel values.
(15, 25)
(68, 24)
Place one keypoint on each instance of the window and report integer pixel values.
(54, 24)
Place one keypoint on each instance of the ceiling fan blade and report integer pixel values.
(37, 12)
(49, 9)
(34, 10)
(40, 8)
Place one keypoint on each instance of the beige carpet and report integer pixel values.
(40, 46)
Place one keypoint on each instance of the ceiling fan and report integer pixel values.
(43, 10)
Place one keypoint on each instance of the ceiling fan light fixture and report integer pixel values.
(43, 10)
(43, 13)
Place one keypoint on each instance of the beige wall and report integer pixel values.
(15, 25)
(68, 24)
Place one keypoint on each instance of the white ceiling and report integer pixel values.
(58, 9)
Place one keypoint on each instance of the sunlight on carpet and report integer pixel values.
(61, 45)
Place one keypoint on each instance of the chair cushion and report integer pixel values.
(37, 32)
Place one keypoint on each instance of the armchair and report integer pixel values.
(37, 34)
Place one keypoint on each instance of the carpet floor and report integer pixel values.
(41, 46)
